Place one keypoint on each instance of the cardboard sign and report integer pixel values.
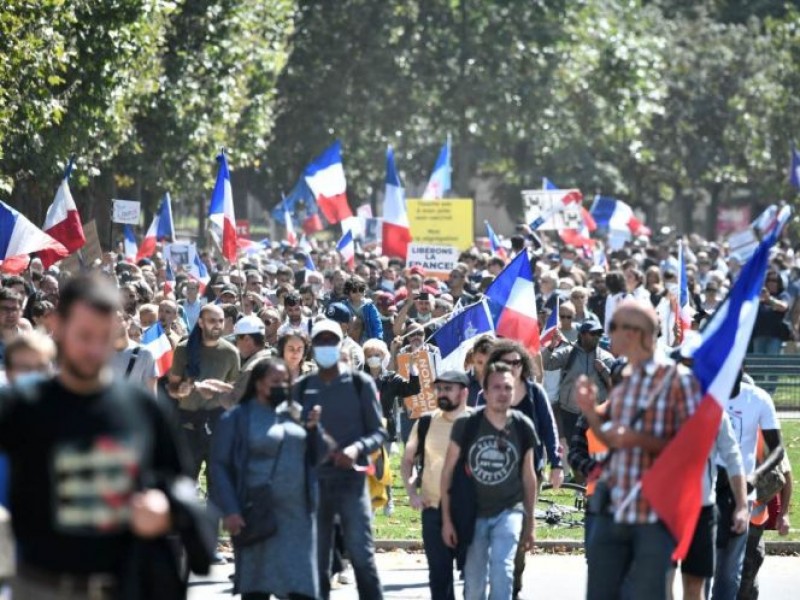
(126, 211)
(449, 222)
(437, 261)
(180, 254)
(92, 251)
(425, 401)
(548, 206)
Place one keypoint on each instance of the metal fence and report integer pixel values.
(779, 374)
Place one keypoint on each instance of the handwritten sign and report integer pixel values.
(437, 261)
(180, 254)
(126, 211)
(547, 209)
(447, 222)
(425, 401)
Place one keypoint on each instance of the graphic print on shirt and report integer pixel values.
(737, 423)
(94, 483)
(491, 462)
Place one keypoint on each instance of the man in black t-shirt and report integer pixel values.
(497, 444)
(83, 448)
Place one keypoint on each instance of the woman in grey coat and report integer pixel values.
(261, 441)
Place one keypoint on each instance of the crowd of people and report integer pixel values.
(284, 398)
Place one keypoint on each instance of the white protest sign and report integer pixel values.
(180, 254)
(547, 209)
(354, 224)
(373, 233)
(437, 261)
(126, 211)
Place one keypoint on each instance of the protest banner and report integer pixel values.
(180, 254)
(549, 206)
(437, 261)
(425, 401)
(448, 222)
(373, 233)
(126, 212)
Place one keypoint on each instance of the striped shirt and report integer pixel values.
(668, 397)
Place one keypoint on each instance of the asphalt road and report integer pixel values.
(404, 576)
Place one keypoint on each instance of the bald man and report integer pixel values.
(645, 410)
(203, 371)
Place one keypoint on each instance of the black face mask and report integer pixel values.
(444, 404)
(277, 395)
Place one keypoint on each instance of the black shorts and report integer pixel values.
(700, 559)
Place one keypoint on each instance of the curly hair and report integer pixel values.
(505, 346)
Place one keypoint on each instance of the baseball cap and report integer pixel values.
(339, 312)
(590, 326)
(229, 289)
(453, 376)
(326, 326)
(250, 325)
(418, 270)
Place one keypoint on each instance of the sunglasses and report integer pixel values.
(566, 317)
(613, 326)
(514, 363)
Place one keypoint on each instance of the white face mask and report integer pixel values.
(673, 288)
(316, 288)
(327, 356)
(387, 284)
(424, 317)
(374, 361)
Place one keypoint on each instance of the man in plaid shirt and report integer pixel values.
(655, 397)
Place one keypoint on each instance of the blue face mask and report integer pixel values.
(327, 356)
(29, 378)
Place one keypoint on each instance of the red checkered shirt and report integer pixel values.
(667, 404)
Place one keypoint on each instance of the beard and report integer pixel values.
(81, 370)
(212, 335)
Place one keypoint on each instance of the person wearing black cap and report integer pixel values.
(582, 358)
(426, 448)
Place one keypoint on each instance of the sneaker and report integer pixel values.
(219, 559)
(388, 508)
(344, 578)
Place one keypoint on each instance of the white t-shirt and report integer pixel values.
(751, 409)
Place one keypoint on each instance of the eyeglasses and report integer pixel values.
(358, 291)
(613, 326)
(566, 317)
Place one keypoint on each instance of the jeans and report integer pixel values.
(568, 421)
(347, 496)
(612, 550)
(492, 552)
(763, 344)
(753, 559)
(440, 557)
(728, 571)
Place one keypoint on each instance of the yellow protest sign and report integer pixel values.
(448, 222)
(425, 401)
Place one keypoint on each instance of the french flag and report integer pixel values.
(309, 264)
(156, 341)
(169, 279)
(553, 323)
(580, 237)
(291, 236)
(673, 485)
(220, 211)
(325, 177)
(396, 229)
(512, 303)
(684, 308)
(616, 215)
(19, 238)
(457, 336)
(347, 248)
(129, 246)
(794, 169)
(494, 242)
(63, 222)
(199, 273)
(439, 183)
(160, 229)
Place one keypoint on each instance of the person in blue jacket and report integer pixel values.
(531, 400)
(355, 289)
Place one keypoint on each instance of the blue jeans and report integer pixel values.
(492, 552)
(728, 570)
(612, 550)
(763, 344)
(347, 497)
(440, 557)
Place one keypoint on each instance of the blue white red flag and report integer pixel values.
(325, 177)
(347, 248)
(456, 337)
(162, 228)
(220, 210)
(396, 228)
(169, 279)
(199, 273)
(553, 323)
(309, 264)
(673, 485)
(439, 183)
(156, 341)
(19, 238)
(129, 246)
(794, 169)
(63, 222)
(548, 185)
(291, 236)
(512, 303)
(616, 215)
(684, 308)
(494, 242)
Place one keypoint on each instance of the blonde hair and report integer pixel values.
(33, 341)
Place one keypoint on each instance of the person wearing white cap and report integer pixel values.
(250, 341)
(351, 416)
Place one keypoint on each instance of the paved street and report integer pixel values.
(548, 576)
